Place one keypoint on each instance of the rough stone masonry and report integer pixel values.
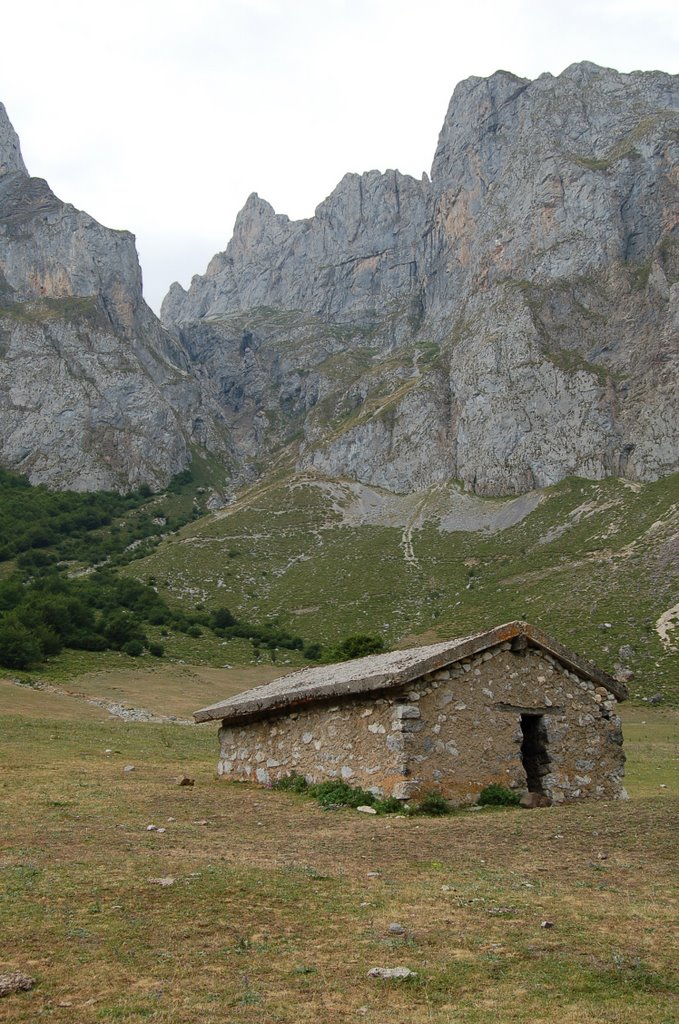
(508, 713)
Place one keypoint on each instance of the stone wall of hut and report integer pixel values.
(353, 740)
(454, 731)
(466, 729)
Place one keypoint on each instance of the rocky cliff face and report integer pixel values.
(93, 392)
(511, 321)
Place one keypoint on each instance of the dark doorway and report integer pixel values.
(534, 756)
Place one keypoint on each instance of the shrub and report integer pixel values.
(335, 793)
(497, 795)
(18, 647)
(433, 803)
(357, 647)
(222, 618)
(157, 650)
(50, 642)
(85, 641)
(294, 783)
(134, 648)
(121, 629)
(390, 805)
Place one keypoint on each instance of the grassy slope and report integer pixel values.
(273, 917)
(591, 553)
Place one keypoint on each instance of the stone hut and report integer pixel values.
(510, 705)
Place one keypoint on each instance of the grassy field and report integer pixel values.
(277, 909)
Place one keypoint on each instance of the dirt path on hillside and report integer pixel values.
(114, 708)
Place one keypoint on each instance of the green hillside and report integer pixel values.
(593, 562)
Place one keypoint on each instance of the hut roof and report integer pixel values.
(386, 671)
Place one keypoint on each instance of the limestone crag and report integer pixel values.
(93, 392)
(511, 321)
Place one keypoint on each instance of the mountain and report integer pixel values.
(507, 322)
(93, 392)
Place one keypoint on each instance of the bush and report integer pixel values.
(433, 803)
(157, 650)
(134, 648)
(18, 647)
(335, 793)
(294, 783)
(356, 647)
(221, 618)
(121, 629)
(50, 642)
(497, 795)
(84, 641)
(390, 805)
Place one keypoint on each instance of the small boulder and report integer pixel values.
(365, 809)
(391, 973)
(396, 929)
(17, 981)
(184, 780)
(532, 800)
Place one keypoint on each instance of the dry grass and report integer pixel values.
(273, 916)
(25, 701)
(165, 688)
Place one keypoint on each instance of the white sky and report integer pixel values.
(161, 116)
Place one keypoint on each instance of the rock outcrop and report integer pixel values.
(513, 320)
(93, 392)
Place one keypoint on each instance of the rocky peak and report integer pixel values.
(361, 241)
(93, 393)
(258, 224)
(498, 324)
(11, 160)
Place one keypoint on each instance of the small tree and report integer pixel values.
(18, 647)
(222, 618)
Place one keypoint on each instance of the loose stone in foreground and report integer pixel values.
(391, 973)
(15, 982)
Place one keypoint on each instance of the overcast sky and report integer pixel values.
(161, 116)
